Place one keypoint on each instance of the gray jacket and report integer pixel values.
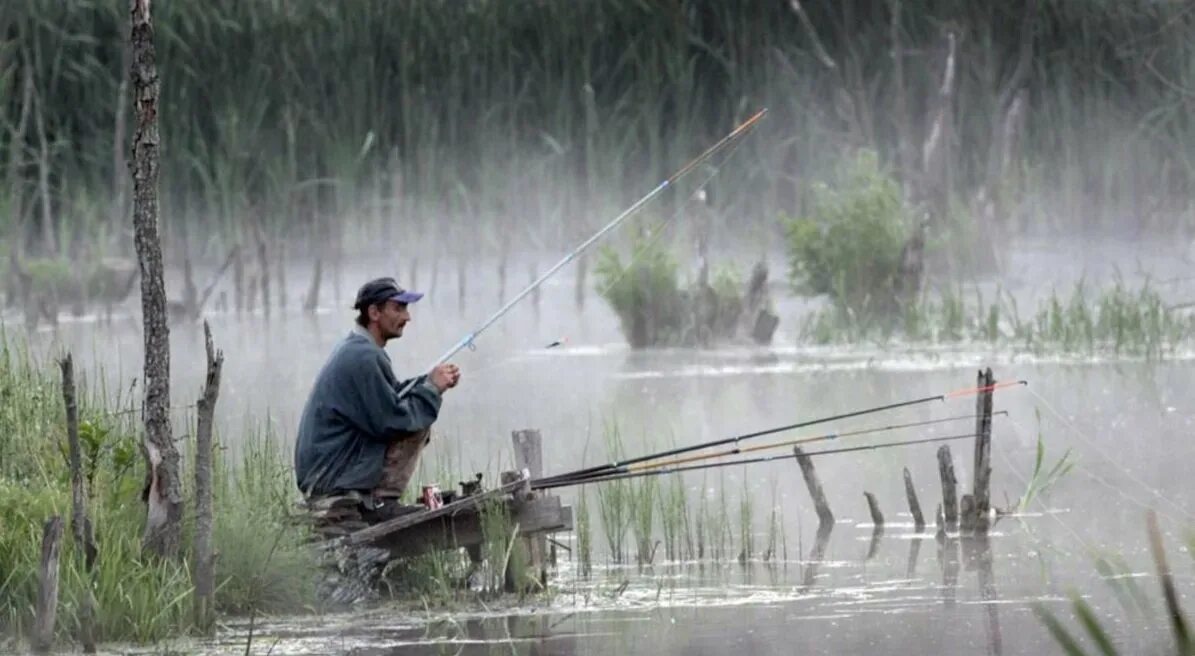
(354, 412)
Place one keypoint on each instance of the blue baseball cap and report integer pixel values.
(381, 290)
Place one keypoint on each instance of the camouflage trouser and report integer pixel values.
(402, 456)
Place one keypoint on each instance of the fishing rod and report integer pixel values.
(468, 339)
(801, 440)
(546, 484)
(619, 467)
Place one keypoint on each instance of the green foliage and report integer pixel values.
(1043, 479)
(654, 308)
(263, 564)
(645, 293)
(1115, 320)
(848, 245)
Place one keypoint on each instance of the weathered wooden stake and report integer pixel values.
(983, 451)
(529, 455)
(163, 526)
(873, 507)
(47, 593)
(80, 524)
(949, 487)
(914, 506)
(967, 513)
(824, 515)
(205, 589)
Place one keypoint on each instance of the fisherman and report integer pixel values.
(357, 435)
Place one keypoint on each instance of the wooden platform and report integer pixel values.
(459, 524)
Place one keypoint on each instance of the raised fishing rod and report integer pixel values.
(620, 467)
(643, 466)
(545, 484)
(468, 339)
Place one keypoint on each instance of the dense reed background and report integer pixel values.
(525, 122)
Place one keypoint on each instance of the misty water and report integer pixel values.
(1127, 422)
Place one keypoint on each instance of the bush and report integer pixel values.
(655, 310)
(849, 246)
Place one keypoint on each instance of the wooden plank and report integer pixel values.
(543, 515)
(397, 524)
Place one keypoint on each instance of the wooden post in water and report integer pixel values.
(47, 592)
(205, 588)
(966, 514)
(914, 505)
(981, 494)
(529, 455)
(873, 507)
(949, 488)
(824, 516)
(80, 524)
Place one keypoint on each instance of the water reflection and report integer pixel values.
(816, 555)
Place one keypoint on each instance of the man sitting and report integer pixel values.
(357, 434)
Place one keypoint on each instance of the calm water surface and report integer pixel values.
(1127, 424)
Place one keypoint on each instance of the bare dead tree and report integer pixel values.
(164, 494)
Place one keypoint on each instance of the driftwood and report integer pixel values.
(47, 592)
(163, 525)
(80, 524)
(205, 588)
(825, 517)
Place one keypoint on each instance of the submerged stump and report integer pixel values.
(825, 517)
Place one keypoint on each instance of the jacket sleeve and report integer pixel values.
(383, 412)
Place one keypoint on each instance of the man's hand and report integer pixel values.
(445, 377)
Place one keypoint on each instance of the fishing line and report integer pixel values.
(655, 233)
(546, 484)
(1116, 465)
(617, 467)
(468, 339)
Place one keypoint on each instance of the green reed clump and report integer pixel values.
(746, 535)
(1115, 320)
(615, 500)
(263, 564)
(502, 557)
(643, 506)
(584, 533)
(674, 519)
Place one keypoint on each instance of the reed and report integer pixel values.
(582, 102)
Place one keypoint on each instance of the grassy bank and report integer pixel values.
(260, 565)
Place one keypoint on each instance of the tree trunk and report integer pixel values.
(205, 588)
(164, 496)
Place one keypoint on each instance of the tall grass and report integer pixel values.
(1116, 320)
(262, 565)
(470, 118)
